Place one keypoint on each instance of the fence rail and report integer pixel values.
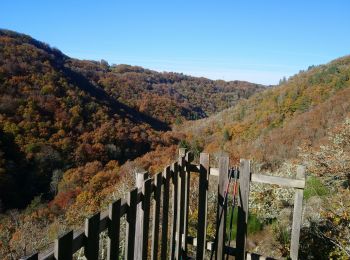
(169, 193)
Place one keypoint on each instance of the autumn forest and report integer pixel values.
(73, 133)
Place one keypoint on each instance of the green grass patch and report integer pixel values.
(254, 225)
(314, 187)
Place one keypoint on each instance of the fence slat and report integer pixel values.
(63, 246)
(92, 237)
(179, 253)
(113, 230)
(147, 191)
(164, 244)
(297, 214)
(222, 208)
(174, 174)
(242, 219)
(156, 215)
(140, 179)
(130, 224)
(202, 205)
(281, 181)
(187, 178)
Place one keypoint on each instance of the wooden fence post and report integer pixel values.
(187, 178)
(113, 230)
(188, 159)
(63, 247)
(140, 179)
(92, 234)
(174, 175)
(297, 215)
(202, 205)
(165, 200)
(242, 220)
(222, 208)
(146, 204)
(179, 253)
(130, 224)
(156, 215)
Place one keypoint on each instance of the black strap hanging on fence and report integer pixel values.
(230, 175)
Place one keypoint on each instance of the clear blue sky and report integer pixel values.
(259, 41)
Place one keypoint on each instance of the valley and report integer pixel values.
(74, 132)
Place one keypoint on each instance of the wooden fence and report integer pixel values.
(169, 192)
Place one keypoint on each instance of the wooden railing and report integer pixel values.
(169, 192)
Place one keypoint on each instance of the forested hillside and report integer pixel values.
(57, 113)
(170, 97)
(270, 126)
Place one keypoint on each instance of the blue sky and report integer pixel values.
(258, 41)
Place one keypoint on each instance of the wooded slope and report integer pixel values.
(270, 126)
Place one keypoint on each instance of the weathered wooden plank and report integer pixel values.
(222, 208)
(164, 244)
(202, 205)
(286, 182)
(179, 253)
(174, 198)
(297, 215)
(187, 178)
(63, 246)
(113, 230)
(156, 215)
(147, 191)
(92, 236)
(140, 178)
(130, 224)
(242, 220)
